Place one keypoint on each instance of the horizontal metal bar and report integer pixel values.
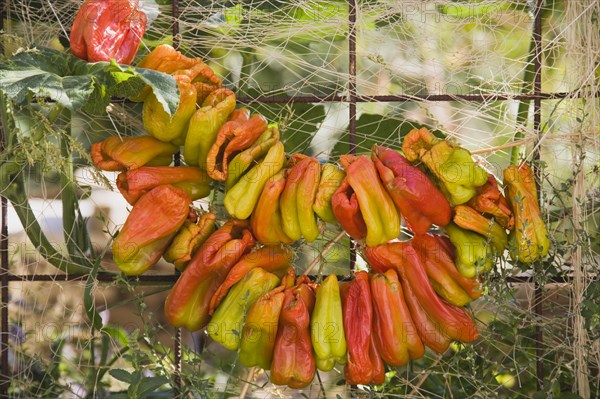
(266, 99)
(170, 278)
(103, 277)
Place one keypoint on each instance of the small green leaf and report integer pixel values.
(151, 384)
(121, 375)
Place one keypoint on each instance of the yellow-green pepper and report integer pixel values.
(205, 124)
(242, 198)
(474, 254)
(226, 324)
(529, 238)
(327, 326)
(331, 179)
(453, 166)
(171, 128)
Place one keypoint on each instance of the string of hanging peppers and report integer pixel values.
(238, 281)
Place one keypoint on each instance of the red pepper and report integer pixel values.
(135, 183)
(293, 360)
(416, 197)
(490, 201)
(274, 259)
(116, 153)
(108, 29)
(364, 364)
(149, 228)
(347, 211)
(234, 136)
(442, 272)
(402, 257)
(188, 302)
(395, 333)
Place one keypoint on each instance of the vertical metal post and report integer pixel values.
(4, 331)
(177, 160)
(537, 117)
(352, 97)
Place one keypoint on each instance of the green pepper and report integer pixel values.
(171, 128)
(331, 179)
(245, 159)
(242, 198)
(205, 124)
(226, 324)
(327, 326)
(529, 238)
(473, 253)
(189, 239)
(451, 164)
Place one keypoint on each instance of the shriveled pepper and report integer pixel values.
(274, 259)
(108, 29)
(442, 272)
(266, 220)
(149, 228)
(293, 360)
(136, 182)
(378, 210)
(474, 255)
(490, 201)
(245, 159)
(241, 199)
(297, 199)
(164, 58)
(402, 257)
(205, 124)
(331, 179)
(187, 304)
(529, 239)
(260, 329)
(395, 333)
(231, 139)
(417, 199)
(116, 153)
(189, 239)
(453, 166)
(431, 333)
(346, 210)
(327, 326)
(469, 219)
(171, 128)
(226, 325)
(364, 365)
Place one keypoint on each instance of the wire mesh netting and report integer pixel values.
(464, 69)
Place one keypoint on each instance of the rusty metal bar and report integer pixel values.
(5, 331)
(537, 117)
(177, 161)
(352, 98)
(267, 99)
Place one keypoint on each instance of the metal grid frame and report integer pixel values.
(352, 99)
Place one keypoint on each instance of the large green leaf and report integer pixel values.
(77, 84)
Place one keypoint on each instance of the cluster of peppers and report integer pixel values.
(237, 279)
